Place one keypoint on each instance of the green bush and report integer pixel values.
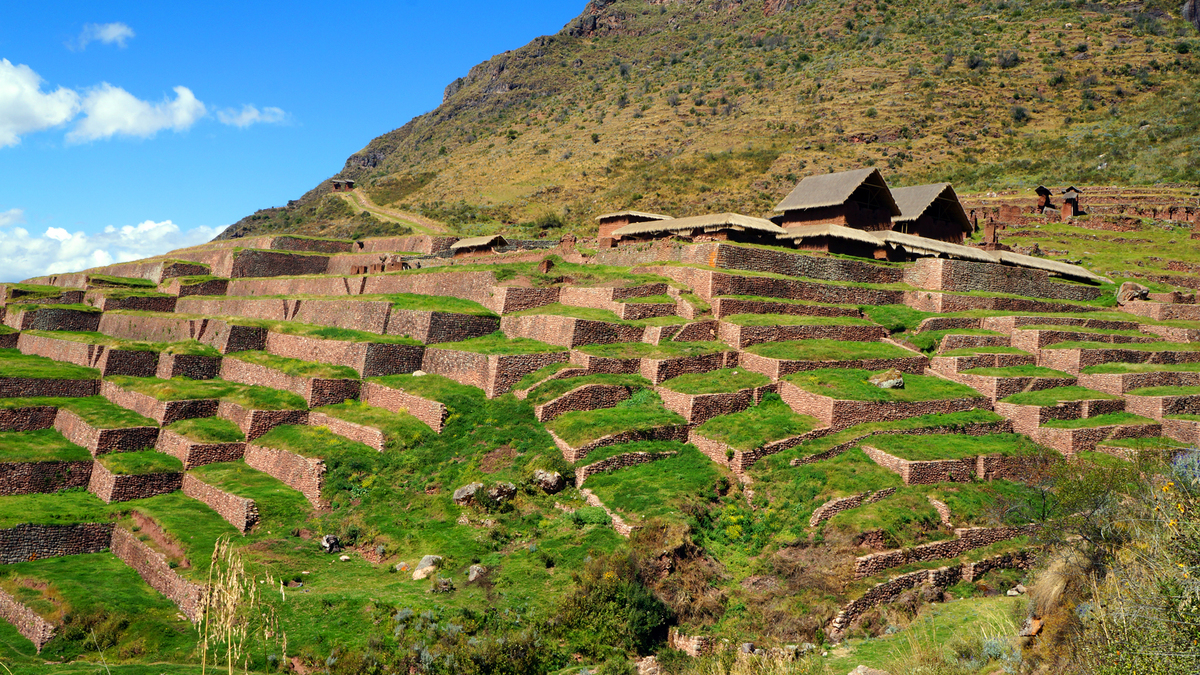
(612, 610)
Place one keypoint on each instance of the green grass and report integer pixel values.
(1164, 391)
(140, 463)
(1152, 443)
(434, 387)
(929, 341)
(542, 373)
(642, 350)
(1135, 346)
(794, 320)
(1052, 397)
(296, 367)
(75, 505)
(5, 330)
(896, 318)
(497, 344)
(346, 461)
(661, 299)
(251, 397)
(648, 447)
(983, 503)
(95, 410)
(907, 518)
(1099, 421)
(437, 303)
(952, 446)
(850, 384)
(551, 390)
(73, 306)
(277, 503)
(829, 350)
(325, 332)
(191, 347)
(42, 445)
(587, 313)
(15, 364)
(657, 488)
(724, 381)
(1123, 368)
(643, 411)
(1019, 371)
(972, 351)
(401, 430)
(770, 420)
(208, 430)
(192, 524)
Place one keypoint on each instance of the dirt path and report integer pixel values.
(417, 222)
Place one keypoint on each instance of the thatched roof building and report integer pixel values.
(708, 227)
(859, 199)
(931, 211)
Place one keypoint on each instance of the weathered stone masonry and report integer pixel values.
(34, 542)
(240, 512)
(27, 622)
(153, 567)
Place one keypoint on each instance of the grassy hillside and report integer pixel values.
(690, 107)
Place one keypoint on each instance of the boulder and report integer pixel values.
(1130, 291)
(419, 373)
(345, 558)
(502, 492)
(891, 379)
(466, 494)
(475, 571)
(401, 567)
(549, 482)
(427, 567)
(865, 670)
(331, 543)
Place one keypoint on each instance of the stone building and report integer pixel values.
(1070, 207)
(858, 199)
(342, 185)
(709, 227)
(932, 212)
(610, 222)
(834, 239)
(478, 246)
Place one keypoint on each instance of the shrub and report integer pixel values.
(1008, 58)
(1020, 114)
(871, 112)
(612, 610)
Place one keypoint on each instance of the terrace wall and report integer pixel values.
(103, 441)
(1120, 383)
(708, 284)
(494, 374)
(506, 299)
(779, 368)
(587, 397)
(193, 366)
(660, 370)
(306, 474)
(111, 487)
(255, 423)
(945, 303)
(962, 470)
(107, 360)
(1157, 407)
(24, 478)
(568, 331)
(966, 539)
(154, 569)
(164, 412)
(1033, 340)
(29, 418)
(1074, 360)
(194, 454)
(27, 622)
(316, 391)
(740, 337)
(224, 337)
(370, 359)
(1007, 324)
(665, 433)
(240, 512)
(616, 462)
(699, 408)
(258, 263)
(723, 307)
(52, 318)
(27, 542)
(428, 411)
(835, 506)
(137, 303)
(438, 327)
(360, 433)
(417, 243)
(843, 413)
(1027, 418)
(964, 276)
(1072, 441)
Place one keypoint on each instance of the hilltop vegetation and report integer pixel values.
(709, 106)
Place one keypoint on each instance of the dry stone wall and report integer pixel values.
(724, 307)
(430, 412)
(616, 462)
(23, 478)
(52, 318)
(439, 327)
(194, 454)
(255, 423)
(306, 474)
(258, 263)
(1120, 383)
(1074, 360)
(370, 359)
(569, 331)
(238, 511)
(27, 542)
(963, 276)
(154, 569)
(112, 487)
(1072, 441)
(665, 433)
(660, 370)
(103, 441)
(494, 374)
(842, 413)
(997, 388)
(587, 397)
(360, 433)
(740, 337)
(835, 506)
(1027, 418)
(107, 360)
(163, 412)
(192, 366)
(27, 622)
(945, 303)
(221, 335)
(699, 408)
(316, 391)
(966, 539)
(29, 418)
(779, 368)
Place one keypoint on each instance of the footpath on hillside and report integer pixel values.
(420, 223)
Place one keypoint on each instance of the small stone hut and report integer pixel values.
(931, 211)
(610, 222)
(1071, 206)
(709, 227)
(342, 184)
(858, 199)
(472, 247)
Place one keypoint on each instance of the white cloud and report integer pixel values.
(108, 33)
(12, 217)
(23, 255)
(25, 108)
(111, 111)
(250, 115)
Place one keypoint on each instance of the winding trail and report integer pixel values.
(419, 223)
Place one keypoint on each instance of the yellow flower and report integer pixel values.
(610, 575)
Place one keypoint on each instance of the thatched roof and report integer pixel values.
(1054, 266)
(477, 242)
(925, 246)
(709, 223)
(1043, 191)
(833, 231)
(915, 201)
(833, 189)
(633, 214)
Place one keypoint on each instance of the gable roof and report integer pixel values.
(708, 222)
(475, 242)
(914, 201)
(1071, 189)
(1043, 191)
(633, 214)
(927, 246)
(833, 189)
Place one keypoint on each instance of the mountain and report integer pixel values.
(686, 106)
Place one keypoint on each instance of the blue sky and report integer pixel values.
(128, 129)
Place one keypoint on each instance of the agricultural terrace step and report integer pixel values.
(139, 303)
(108, 360)
(966, 539)
(617, 462)
(709, 284)
(22, 478)
(835, 506)
(959, 341)
(111, 487)
(306, 474)
(369, 359)
(16, 294)
(946, 303)
(474, 286)
(957, 364)
(163, 412)
(740, 461)
(698, 331)
(1174, 333)
(180, 288)
(1076, 359)
(962, 470)
(740, 337)
(723, 307)
(1158, 407)
(51, 318)
(1184, 431)
(151, 270)
(997, 387)
(842, 413)
(569, 331)
(964, 276)
(35, 387)
(156, 571)
(29, 418)
(699, 408)
(28, 623)
(240, 512)
(1026, 419)
(1007, 324)
(255, 423)
(656, 370)
(369, 436)
(1162, 312)
(1122, 383)
(1072, 441)
(493, 373)
(1033, 340)
(316, 391)
(778, 368)
(221, 335)
(26, 542)
(430, 412)
(586, 397)
(194, 453)
(100, 441)
(664, 433)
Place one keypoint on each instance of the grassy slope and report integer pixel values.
(852, 384)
